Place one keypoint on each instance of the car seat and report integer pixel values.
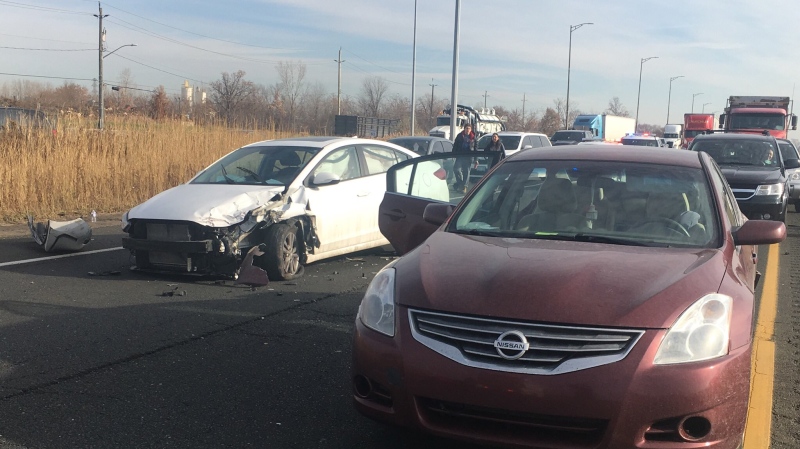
(555, 209)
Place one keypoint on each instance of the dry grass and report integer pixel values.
(79, 169)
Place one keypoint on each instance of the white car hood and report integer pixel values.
(215, 205)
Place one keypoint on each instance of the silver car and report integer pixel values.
(789, 151)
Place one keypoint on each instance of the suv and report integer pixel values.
(755, 170)
(571, 137)
(789, 151)
(515, 141)
(644, 140)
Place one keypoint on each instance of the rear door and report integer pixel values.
(410, 187)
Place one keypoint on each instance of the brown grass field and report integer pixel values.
(78, 169)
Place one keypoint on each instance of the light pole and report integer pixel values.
(638, 96)
(569, 67)
(669, 98)
(454, 87)
(694, 95)
(414, 70)
(101, 113)
(704, 107)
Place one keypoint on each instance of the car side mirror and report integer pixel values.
(760, 232)
(437, 213)
(791, 163)
(527, 147)
(794, 122)
(325, 179)
(669, 144)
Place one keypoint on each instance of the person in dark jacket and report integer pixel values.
(464, 143)
(496, 145)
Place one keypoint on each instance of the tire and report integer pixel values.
(282, 253)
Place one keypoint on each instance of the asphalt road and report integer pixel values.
(111, 362)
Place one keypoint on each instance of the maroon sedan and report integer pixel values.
(577, 297)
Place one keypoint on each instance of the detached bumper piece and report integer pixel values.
(70, 235)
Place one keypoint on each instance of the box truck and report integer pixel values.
(753, 114)
(608, 128)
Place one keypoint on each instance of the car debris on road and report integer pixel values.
(70, 235)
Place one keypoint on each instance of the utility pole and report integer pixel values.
(485, 95)
(432, 86)
(414, 72)
(454, 87)
(523, 111)
(339, 95)
(102, 38)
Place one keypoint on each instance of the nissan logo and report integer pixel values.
(511, 345)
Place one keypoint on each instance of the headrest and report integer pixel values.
(290, 159)
(557, 195)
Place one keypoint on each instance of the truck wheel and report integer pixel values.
(282, 254)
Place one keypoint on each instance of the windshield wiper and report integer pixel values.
(594, 238)
(225, 174)
(481, 232)
(251, 173)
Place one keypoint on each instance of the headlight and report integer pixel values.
(795, 176)
(770, 189)
(700, 333)
(377, 308)
(125, 223)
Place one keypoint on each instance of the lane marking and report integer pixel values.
(762, 375)
(61, 256)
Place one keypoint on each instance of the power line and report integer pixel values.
(370, 62)
(43, 39)
(50, 77)
(49, 49)
(163, 71)
(41, 8)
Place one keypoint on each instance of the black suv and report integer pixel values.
(756, 172)
(571, 137)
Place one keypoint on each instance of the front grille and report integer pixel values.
(168, 232)
(527, 427)
(554, 349)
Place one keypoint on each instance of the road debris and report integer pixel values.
(70, 235)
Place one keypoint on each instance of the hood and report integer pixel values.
(747, 174)
(215, 205)
(556, 281)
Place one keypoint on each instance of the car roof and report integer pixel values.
(616, 153)
(519, 133)
(425, 138)
(312, 141)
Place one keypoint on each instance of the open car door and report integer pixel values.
(413, 184)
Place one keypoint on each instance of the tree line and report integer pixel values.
(289, 105)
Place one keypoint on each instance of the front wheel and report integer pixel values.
(282, 253)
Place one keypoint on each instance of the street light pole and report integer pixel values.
(694, 95)
(414, 70)
(569, 67)
(638, 96)
(102, 108)
(669, 98)
(704, 107)
(454, 88)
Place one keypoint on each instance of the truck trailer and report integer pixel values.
(753, 114)
(694, 124)
(608, 128)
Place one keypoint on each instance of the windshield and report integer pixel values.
(739, 152)
(692, 133)
(605, 202)
(419, 146)
(757, 121)
(575, 136)
(671, 136)
(269, 165)
(509, 142)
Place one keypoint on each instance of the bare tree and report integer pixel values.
(373, 89)
(615, 107)
(317, 108)
(428, 109)
(159, 104)
(230, 93)
(290, 86)
(551, 122)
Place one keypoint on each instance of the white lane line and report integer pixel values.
(62, 256)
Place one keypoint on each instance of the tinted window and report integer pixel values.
(788, 151)
(755, 152)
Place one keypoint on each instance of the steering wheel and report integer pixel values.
(668, 223)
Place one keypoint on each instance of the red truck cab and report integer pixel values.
(694, 124)
(754, 115)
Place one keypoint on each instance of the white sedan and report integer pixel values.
(276, 205)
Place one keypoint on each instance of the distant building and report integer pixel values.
(192, 96)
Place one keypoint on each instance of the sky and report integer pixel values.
(509, 50)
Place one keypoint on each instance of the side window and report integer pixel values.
(448, 146)
(379, 159)
(729, 205)
(342, 163)
(545, 141)
(527, 141)
(438, 147)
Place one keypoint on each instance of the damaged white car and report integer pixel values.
(286, 202)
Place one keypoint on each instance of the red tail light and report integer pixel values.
(441, 174)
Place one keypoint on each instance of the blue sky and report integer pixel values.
(508, 48)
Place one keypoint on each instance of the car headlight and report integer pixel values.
(377, 308)
(700, 333)
(795, 176)
(125, 223)
(770, 189)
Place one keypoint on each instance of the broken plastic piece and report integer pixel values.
(250, 274)
(70, 235)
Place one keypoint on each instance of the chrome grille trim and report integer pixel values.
(743, 194)
(553, 349)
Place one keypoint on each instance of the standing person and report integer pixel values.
(497, 145)
(464, 143)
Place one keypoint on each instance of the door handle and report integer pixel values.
(362, 194)
(395, 214)
(755, 258)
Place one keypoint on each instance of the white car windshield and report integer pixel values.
(258, 165)
(606, 202)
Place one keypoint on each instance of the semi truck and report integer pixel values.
(608, 128)
(694, 124)
(672, 135)
(753, 114)
(483, 121)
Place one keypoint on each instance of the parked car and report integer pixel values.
(294, 200)
(643, 140)
(789, 151)
(514, 141)
(571, 137)
(753, 166)
(423, 145)
(573, 298)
